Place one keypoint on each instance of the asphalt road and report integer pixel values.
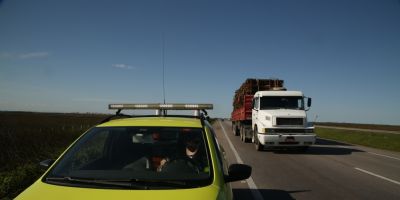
(328, 170)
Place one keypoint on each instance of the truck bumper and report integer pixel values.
(287, 140)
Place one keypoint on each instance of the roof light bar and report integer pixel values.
(169, 106)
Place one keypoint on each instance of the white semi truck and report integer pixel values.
(269, 116)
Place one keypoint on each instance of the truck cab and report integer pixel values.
(279, 120)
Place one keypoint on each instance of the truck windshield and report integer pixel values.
(286, 102)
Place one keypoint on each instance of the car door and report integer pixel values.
(226, 189)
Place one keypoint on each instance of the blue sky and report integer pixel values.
(78, 56)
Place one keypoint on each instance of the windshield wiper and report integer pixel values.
(158, 183)
(114, 183)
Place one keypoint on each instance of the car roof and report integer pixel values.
(163, 121)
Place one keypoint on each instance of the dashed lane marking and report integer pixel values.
(254, 190)
(379, 176)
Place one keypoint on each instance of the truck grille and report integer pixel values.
(289, 131)
(289, 121)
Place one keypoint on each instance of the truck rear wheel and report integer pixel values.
(235, 129)
(244, 135)
(241, 134)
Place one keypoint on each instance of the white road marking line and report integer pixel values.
(384, 155)
(254, 190)
(239, 160)
(379, 176)
(350, 147)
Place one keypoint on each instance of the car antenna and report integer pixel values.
(163, 69)
(163, 64)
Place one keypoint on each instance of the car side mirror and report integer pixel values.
(308, 102)
(45, 164)
(237, 172)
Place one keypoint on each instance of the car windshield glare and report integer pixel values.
(152, 154)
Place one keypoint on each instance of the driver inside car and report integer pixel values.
(192, 154)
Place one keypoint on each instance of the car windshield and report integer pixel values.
(152, 157)
(286, 102)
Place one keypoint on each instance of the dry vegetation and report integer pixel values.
(27, 138)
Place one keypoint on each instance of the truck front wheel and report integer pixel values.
(257, 144)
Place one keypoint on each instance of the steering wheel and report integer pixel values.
(181, 164)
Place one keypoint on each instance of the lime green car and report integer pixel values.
(142, 157)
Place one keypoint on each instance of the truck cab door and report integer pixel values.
(254, 113)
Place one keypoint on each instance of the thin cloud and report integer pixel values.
(5, 55)
(34, 55)
(95, 100)
(122, 66)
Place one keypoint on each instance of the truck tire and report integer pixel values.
(257, 144)
(241, 134)
(235, 129)
(244, 136)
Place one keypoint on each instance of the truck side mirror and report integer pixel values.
(309, 102)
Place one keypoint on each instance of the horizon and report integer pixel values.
(228, 118)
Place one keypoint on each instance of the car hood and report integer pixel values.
(44, 191)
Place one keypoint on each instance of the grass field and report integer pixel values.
(386, 141)
(361, 126)
(28, 138)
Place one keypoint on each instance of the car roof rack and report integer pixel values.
(161, 110)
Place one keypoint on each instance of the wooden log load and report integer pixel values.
(251, 86)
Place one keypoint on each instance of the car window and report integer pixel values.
(138, 153)
(92, 150)
(220, 151)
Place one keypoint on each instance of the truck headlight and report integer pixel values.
(269, 131)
